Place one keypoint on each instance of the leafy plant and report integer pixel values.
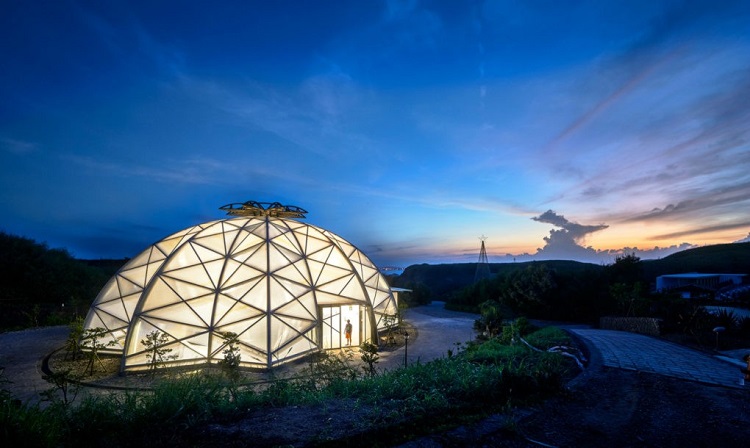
(726, 318)
(232, 355)
(73, 343)
(491, 320)
(64, 385)
(156, 352)
(369, 355)
(91, 345)
(391, 322)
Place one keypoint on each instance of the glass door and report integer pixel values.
(334, 320)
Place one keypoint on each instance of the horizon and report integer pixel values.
(409, 128)
(386, 269)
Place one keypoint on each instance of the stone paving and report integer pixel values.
(638, 352)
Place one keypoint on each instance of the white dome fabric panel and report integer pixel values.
(263, 278)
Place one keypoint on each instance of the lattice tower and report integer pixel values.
(483, 266)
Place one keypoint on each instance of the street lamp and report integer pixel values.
(406, 347)
(718, 330)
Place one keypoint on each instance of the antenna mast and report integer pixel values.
(483, 266)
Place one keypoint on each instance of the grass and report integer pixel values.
(486, 377)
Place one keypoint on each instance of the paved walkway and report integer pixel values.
(633, 351)
(21, 354)
(436, 332)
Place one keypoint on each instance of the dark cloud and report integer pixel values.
(702, 204)
(570, 230)
(565, 242)
(700, 230)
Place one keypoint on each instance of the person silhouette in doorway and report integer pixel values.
(348, 332)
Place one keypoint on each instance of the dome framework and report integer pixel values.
(283, 287)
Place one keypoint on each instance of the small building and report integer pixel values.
(282, 287)
(691, 283)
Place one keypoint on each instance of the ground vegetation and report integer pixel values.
(336, 401)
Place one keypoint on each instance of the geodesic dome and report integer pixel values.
(285, 288)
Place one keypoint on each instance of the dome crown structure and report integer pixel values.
(283, 287)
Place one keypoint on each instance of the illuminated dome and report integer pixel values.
(285, 288)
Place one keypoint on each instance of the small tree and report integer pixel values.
(91, 344)
(492, 319)
(232, 355)
(5, 395)
(629, 299)
(61, 382)
(156, 352)
(73, 343)
(369, 355)
(390, 322)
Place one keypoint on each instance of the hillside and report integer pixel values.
(43, 286)
(443, 279)
(719, 258)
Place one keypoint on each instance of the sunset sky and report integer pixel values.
(557, 129)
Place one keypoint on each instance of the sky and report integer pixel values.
(555, 129)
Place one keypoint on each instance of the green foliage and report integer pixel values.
(31, 426)
(64, 390)
(369, 354)
(156, 351)
(43, 286)
(419, 294)
(630, 299)
(626, 269)
(729, 258)
(73, 343)
(529, 290)
(556, 290)
(484, 378)
(91, 345)
(491, 320)
(231, 352)
(548, 337)
(514, 329)
(695, 321)
(726, 318)
(326, 369)
(391, 322)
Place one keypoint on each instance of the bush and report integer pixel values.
(483, 378)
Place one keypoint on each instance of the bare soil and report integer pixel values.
(610, 407)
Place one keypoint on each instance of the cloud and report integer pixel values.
(564, 243)
(570, 231)
(701, 230)
(744, 240)
(128, 41)
(193, 171)
(18, 147)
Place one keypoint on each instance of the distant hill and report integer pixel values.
(108, 267)
(43, 286)
(443, 279)
(720, 258)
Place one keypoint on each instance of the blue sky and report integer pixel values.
(557, 129)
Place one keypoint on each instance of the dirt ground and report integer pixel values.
(606, 407)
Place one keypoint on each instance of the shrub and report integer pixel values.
(484, 377)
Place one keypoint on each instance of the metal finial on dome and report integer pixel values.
(271, 209)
